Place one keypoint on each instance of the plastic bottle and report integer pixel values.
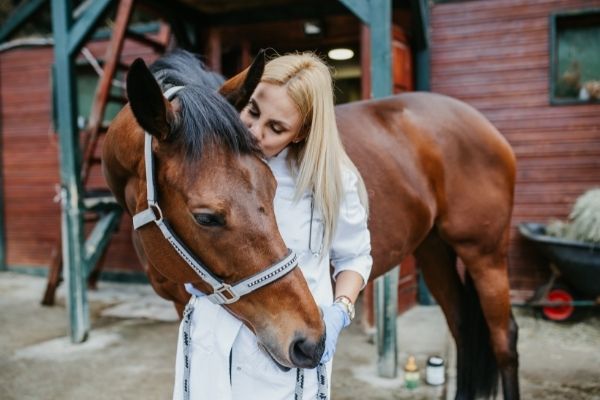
(434, 372)
(411, 373)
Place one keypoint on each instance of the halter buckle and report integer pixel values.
(223, 295)
(151, 214)
(157, 211)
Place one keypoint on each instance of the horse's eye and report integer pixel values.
(210, 219)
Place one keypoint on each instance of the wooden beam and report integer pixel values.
(19, 16)
(146, 40)
(360, 8)
(99, 238)
(214, 53)
(85, 24)
(102, 94)
(381, 46)
(276, 13)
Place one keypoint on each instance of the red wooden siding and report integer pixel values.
(30, 159)
(494, 54)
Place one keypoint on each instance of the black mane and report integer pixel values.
(204, 116)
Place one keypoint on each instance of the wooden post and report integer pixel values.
(245, 57)
(378, 15)
(214, 53)
(71, 188)
(3, 264)
(386, 312)
(386, 287)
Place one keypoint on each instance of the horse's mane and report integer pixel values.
(204, 115)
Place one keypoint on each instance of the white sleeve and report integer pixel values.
(351, 245)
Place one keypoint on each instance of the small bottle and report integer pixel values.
(411, 373)
(434, 373)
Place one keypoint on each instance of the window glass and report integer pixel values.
(576, 57)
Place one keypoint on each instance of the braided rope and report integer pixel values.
(321, 380)
(187, 344)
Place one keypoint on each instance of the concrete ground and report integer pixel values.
(131, 350)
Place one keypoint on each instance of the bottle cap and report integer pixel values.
(411, 364)
(435, 361)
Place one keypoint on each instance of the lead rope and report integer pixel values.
(187, 338)
(321, 380)
(186, 333)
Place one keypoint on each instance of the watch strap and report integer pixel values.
(347, 304)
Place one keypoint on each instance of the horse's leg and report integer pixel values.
(488, 271)
(437, 262)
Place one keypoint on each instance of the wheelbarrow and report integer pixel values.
(575, 280)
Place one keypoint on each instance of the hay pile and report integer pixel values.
(584, 220)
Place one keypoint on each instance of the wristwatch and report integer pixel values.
(347, 304)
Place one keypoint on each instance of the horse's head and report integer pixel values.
(217, 196)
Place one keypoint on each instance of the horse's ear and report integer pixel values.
(238, 89)
(151, 110)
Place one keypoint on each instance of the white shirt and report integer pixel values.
(216, 334)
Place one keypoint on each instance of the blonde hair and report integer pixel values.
(317, 160)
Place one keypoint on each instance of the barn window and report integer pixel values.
(575, 57)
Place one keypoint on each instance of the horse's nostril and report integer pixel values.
(306, 353)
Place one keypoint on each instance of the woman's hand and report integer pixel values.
(336, 319)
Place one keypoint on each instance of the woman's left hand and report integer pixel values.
(336, 319)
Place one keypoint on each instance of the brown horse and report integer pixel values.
(217, 196)
(441, 180)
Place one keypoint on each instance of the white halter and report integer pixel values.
(223, 293)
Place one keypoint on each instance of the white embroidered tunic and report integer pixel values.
(218, 337)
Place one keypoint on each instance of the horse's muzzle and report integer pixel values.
(306, 353)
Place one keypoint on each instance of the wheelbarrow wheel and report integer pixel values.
(563, 312)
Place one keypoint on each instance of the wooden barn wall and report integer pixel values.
(30, 159)
(494, 54)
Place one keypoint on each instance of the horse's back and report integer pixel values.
(420, 118)
(427, 159)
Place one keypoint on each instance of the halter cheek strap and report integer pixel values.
(223, 293)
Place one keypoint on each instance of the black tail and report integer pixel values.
(477, 367)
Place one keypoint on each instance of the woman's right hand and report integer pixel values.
(336, 319)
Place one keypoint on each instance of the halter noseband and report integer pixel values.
(223, 293)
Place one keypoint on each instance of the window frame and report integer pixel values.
(553, 55)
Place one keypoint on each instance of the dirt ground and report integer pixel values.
(131, 350)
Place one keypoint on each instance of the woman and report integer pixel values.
(321, 211)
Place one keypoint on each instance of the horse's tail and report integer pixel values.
(477, 367)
